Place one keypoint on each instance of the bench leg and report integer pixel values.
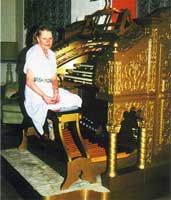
(23, 144)
(25, 133)
(78, 168)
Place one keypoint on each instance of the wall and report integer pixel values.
(80, 8)
(11, 29)
(8, 20)
(20, 35)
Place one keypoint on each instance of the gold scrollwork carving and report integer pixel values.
(102, 76)
(111, 77)
(165, 123)
(152, 60)
(138, 74)
(164, 67)
(163, 130)
(131, 77)
(149, 124)
(111, 113)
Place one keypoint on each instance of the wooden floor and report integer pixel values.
(10, 139)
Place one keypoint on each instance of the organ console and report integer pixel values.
(115, 67)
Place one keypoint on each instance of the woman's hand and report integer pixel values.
(48, 99)
(56, 97)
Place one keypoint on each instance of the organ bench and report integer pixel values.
(77, 163)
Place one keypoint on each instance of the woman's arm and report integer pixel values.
(55, 89)
(30, 83)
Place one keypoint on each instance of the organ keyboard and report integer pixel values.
(83, 75)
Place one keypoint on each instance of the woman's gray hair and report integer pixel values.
(39, 30)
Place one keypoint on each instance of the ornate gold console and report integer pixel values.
(140, 77)
(131, 69)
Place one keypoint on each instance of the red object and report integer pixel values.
(123, 4)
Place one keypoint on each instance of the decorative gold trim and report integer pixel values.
(112, 160)
(142, 159)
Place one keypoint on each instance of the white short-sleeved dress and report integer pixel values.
(44, 68)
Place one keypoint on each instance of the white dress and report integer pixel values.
(44, 68)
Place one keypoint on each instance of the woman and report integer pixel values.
(41, 91)
(20, 66)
